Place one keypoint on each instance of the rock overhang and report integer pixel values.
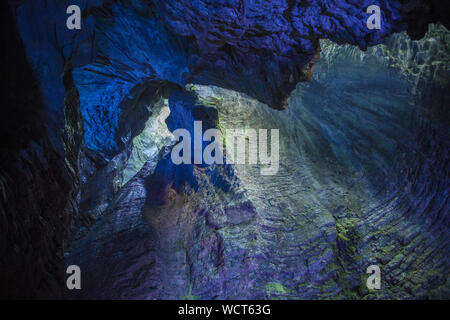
(260, 48)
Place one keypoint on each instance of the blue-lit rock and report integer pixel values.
(365, 182)
(259, 48)
(346, 195)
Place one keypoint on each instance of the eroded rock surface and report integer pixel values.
(61, 183)
(346, 196)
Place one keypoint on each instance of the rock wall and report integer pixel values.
(67, 140)
(355, 187)
(33, 221)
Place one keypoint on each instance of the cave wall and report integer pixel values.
(83, 89)
(356, 187)
(180, 46)
(34, 221)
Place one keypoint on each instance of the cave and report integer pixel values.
(87, 176)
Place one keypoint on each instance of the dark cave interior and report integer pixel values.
(86, 176)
